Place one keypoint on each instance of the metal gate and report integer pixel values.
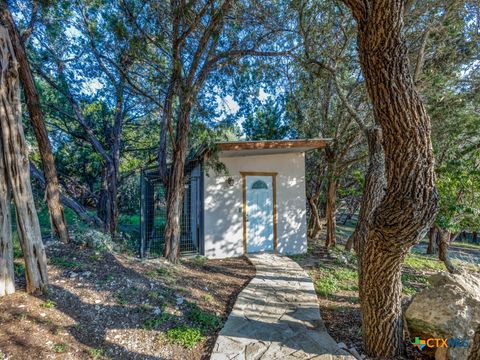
(154, 213)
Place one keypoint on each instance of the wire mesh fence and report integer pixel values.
(154, 213)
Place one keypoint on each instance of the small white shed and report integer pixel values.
(260, 205)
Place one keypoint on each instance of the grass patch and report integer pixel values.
(331, 280)
(95, 257)
(106, 279)
(158, 272)
(199, 260)
(129, 219)
(59, 348)
(120, 298)
(95, 353)
(409, 290)
(157, 321)
(205, 320)
(466, 245)
(154, 296)
(185, 336)
(49, 304)
(207, 298)
(65, 263)
(419, 262)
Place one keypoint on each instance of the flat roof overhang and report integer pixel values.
(269, 147)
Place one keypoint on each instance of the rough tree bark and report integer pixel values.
(109, 194)
(7, 276)
(52, 189)
(443, 244)
(330, 208)
(373, 191)
(176, 185)
(18, 170)
(432, 241)
(475, 347)
(410, 202)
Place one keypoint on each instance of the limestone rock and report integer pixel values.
(449, 309)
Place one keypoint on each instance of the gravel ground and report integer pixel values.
(108, 305)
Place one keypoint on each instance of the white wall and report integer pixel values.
(223, 218)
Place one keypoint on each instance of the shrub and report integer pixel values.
(157, 321)
(205, 320)
(65, 263)
(95, 353)
(59, 348)
(185, 336)
(49, 304)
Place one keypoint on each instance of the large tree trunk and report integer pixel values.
(432, 241)
(373, 191)
(330, 208)
(410, 202)
(443, 244)
(18, 170)
(52, 190)
(7, 277)
(175, 188)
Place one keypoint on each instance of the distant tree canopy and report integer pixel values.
(267, 122)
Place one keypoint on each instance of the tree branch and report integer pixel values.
(28, 31)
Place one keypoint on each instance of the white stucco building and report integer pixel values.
(260, 204)
(257, 205)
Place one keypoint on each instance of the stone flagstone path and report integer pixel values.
(276, 317)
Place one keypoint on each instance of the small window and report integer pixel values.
(259, 184)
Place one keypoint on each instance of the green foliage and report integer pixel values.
(49, 304)
(413, 283)
(159, 272)
(64, 262)
(204, 320)
(154, 295)
(19, 269)
(207, 298)
(17, 249)
(266, 123)
(185, 336)
(120, 297)
(59, 348)
(334, 279)
(199, 260)
(157, 321)
(95, 353)
(458, 184)
(421, 262)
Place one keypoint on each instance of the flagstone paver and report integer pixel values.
(276, 317)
